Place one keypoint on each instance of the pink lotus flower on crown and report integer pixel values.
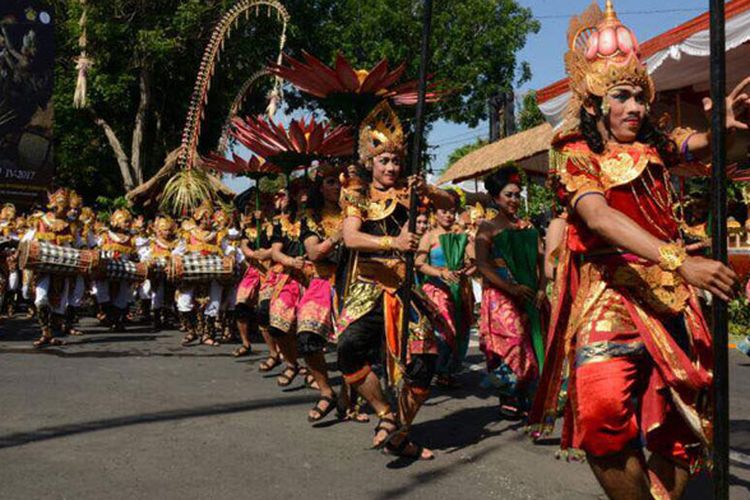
(611, 39)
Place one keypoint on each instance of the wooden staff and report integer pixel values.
(415, 169)
(719, 230)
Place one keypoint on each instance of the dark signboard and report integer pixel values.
(27, 56)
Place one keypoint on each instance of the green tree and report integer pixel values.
(530, 115)
(146, 55)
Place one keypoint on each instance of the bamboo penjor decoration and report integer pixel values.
(189, 186)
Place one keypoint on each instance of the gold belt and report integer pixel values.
(389, 273)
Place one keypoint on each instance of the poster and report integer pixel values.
(27, 53)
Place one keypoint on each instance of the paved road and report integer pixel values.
(136, 416)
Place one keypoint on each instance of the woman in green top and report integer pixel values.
(508, 257)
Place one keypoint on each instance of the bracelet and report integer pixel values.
(386, 243)
(671, 256)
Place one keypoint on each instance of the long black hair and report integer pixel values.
(648, 134)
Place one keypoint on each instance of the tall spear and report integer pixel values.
(415, 169)
(719, 230)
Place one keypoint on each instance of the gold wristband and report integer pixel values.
(671, 256)
(386, 243)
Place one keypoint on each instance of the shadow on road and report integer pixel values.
(463, 428)
(434, 474)
(47, 433)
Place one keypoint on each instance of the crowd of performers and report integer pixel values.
(317, 267)
(617, 343)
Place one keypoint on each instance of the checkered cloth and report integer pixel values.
(123, 270)
(196, 268)
(43, 257)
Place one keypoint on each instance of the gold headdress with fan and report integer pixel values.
(58, 199)
(203, 209)
(8, 212)
(164, 224)
(602, 53)
(120, 218)
(75, 200)
(381, 132)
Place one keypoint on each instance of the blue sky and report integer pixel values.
(545, 50)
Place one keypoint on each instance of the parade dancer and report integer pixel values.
(10, 276)
(627, 322)
(376, 213)
(230, 237)
(508, 257)
(79, 229)
(199, 305)
(288, 251)
(321, 236)
(51, 291)
(442, 260)
(256, 247)
(115, 295)
(157, 253)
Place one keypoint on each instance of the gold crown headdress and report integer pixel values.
(58, 199)
(381, 132)
(164, 224)
(204, 208)
(87, 215)
(477, 213)
(8, 211)
(120, 218)
(221, 216)
(602, 53)
(75, 200)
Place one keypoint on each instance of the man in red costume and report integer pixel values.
(626, 321)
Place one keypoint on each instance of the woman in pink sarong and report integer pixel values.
(321, 236)
(504, 324)
(256, 248)
(442, 260)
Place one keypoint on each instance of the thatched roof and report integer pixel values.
(528, 149)
(148, 194)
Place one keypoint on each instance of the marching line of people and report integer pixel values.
(617, 345)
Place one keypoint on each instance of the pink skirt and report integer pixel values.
(283, 308)
(249, 286)
(504, 335)
(314, 312)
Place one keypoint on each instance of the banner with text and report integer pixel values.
(27, 58)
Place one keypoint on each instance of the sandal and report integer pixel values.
(321, 412)
(43, 341)
(242, 351)
(189, 339)
(287, 376)
(391, 429)
(270, 363)
(310, 381)
(400, 450)
(208, 340)
(75, 332)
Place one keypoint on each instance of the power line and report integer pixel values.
(462, 135)
(627, 12)
(466, 140)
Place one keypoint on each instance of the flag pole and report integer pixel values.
(719, 234)
(415, 169)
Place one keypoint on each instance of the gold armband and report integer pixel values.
(671, 256)
(386, 243)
